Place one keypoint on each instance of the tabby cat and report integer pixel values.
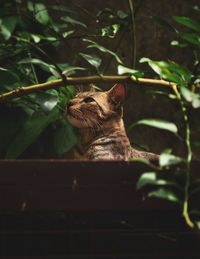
(98, 115)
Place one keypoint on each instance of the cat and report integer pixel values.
(98, 115)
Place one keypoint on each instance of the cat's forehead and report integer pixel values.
(89, 94)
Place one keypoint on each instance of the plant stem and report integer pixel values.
(133, 35)
(185, 211)
(21, 91)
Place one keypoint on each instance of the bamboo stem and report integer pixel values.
(25, 90)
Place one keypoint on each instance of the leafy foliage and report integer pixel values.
(185, 85)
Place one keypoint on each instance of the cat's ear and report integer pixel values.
(117, 94)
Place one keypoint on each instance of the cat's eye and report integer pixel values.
(88, 100)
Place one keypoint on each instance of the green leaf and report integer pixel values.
(192, 38)
(32, 128)
(121, 14)
(110, 30)
(7, 26)
(91, 59)
(189, 23)
(190, 97)
(169, 71)
(67, 33)
(166, 194)
(178, 44)
(168, 159)
(73, 21)
(125, 70)
(151, 178)
(103, 49)
(41, 13)
(161, 124)
(47, 101)
(42, 64)
(65, 138)
(164, 24)
(71, 70)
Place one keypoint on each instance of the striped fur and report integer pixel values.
(98, 115)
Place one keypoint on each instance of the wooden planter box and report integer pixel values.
(64, 209)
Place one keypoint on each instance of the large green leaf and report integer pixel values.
(7, 26)
(187, 22)
(125, 70)
(166, 194)
(151, 178)
(169, 71)
(103, 49)
(32, 128)
(65, 138)
(161, 124)
(191, 38)
(91, 59)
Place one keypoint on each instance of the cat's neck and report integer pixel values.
(89, 135)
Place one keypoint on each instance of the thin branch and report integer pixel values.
(25, 90)
(133, 35)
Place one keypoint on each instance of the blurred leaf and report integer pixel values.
(197, 8)
(121, 14)
(110, 31)
(73, 21)
(91, 59)
(103, 49)
(42, 64)
(61, 8)
(187, 22)
(65, 138)
(7, 77)
(67, 33)
(41, 13)
(7, 26)
(151, 178)
(36, 38)
(161, 124)
(32, 128)
(125, 70)
(168, 159)
(71, 70)
(192, 38)
(164, 23)
(166, 194)
(190, 97)
(47, 101)
(178, 44)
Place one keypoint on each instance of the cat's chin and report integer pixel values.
(75, 122)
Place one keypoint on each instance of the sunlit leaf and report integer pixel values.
(65, 138)
(91, 59)
(187, 22)
(161, 124)
(73, 21)
(110, 30)
(103, 49)
(41, 13)
(166, 194)
(47, 101)
(67, 33)
(151, 178)
(169, 71)
(168, 159)
(125, 70)
(190, 97)
(178, 44)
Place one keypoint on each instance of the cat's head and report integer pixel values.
(96, 109)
